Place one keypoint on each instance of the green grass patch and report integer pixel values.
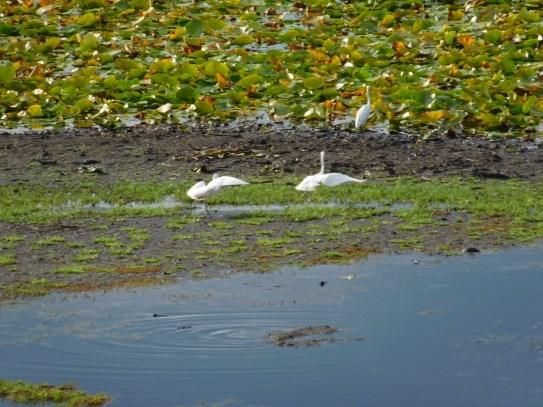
(182, 236)
(71, 269)
(274, 242)
(67, 395)
(7, 259)
(51, 240)
(13, 238)
(87, 255)
(333, 255)
(33, 288)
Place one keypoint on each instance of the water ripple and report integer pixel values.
(171, 334)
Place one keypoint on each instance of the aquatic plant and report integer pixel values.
(433, 66)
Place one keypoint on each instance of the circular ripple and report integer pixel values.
(168, 334)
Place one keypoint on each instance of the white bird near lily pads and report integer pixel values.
(200, 191)
(331, 179)
(364, 112)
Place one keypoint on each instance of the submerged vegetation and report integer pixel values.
(475, 66)
(66, 395)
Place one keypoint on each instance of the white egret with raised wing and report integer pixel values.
(200, 191)
(331, 179)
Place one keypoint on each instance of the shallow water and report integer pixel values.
(170, 202)
(459, 331)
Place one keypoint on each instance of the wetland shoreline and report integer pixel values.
(46, 248)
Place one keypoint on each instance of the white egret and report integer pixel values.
(363, 113)
(311, 182)
(200, 191)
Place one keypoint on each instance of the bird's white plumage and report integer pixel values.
(331, 179)
(364, 112)
(201, 191)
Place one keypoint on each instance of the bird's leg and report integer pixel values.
(207, 210)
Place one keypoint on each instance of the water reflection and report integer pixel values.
(461, 331)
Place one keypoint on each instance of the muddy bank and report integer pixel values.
(174, 152)
(89, 252)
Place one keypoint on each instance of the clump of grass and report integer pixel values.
(108, 241)
(221, 225)
(181, 222)
(65, 395)
(51, 240)
(280, 241)
(181, 236)
(138, 236)
(34, 288)
(86, 255)
(7, 259)
(407, 244)
(70, 269)
(333, 255)
(13, 238)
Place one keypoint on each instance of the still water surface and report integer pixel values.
(459, 331)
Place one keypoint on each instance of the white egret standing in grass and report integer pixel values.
(200, 191)
(311, 182)
(363, 113)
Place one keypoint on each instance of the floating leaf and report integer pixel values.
(89, 42)
(8, 30)
(529, 104)
(111, 82)
(222, 80)
(399, 48)
(188, 71)
(449, 37)
(493, 36)
(84, 104)
(507, 66)
(363, 73)
(529, 16)
(164, 65)
(250, 80)
(86, 20)
(276, 90)
(140, 4)
(187, 93)
(7, 74)
(215, 23)
(313, 83)
(466, 40)
(433, 116)
(456, 15)
(242, 40)
(329, 44)
(194, 28)
(388, 20)
(213, 68)
(35, 111)
(204, 106)
(178, 33)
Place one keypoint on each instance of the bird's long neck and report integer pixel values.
(322, 162)
(368, 96)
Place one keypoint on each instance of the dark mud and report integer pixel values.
(174, 152)
(303, 336)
